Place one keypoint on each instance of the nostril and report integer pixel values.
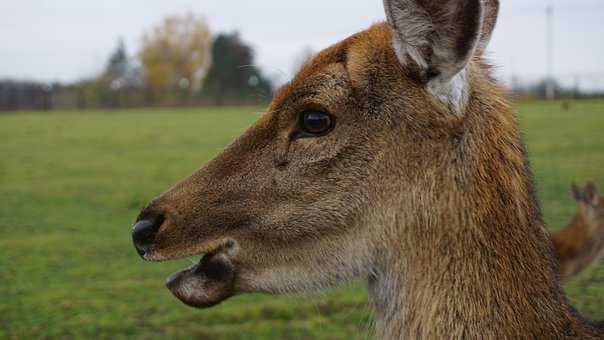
(144, 232)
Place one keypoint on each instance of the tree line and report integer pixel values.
(180, 63)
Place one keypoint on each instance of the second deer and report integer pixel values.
(581, 243)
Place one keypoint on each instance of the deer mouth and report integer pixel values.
(208, 282)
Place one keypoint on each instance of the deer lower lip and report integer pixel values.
(206, 283)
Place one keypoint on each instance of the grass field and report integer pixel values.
(71, 185)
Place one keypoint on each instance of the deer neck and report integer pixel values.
(475, 262)
(460, 289)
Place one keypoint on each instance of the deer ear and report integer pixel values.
(591, 195)
(440, 36)
(491, 13)
(577, 194)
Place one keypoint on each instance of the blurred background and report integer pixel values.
(68, 54)
(105, 104)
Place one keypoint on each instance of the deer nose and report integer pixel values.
(144, 232)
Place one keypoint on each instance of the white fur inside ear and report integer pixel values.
(453, 93)
(429, 34)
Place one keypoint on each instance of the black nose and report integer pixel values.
(144, 232)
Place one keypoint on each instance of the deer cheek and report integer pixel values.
(281, 154)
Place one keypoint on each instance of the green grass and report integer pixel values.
(71, 185)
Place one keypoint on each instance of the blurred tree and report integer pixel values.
(175, 56)
(118, 64)
(233, 76)
(117, 85)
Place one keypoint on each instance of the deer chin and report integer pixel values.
(207, 283)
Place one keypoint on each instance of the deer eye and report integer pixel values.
(315, 123)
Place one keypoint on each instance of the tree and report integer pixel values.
(118, 64)
(175, 56)
(233, 76)
(119, 83)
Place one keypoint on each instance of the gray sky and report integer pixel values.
(70, 39)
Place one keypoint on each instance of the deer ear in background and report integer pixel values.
(576, 192)
(590, 194)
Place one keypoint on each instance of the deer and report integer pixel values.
(581, 242)
(394, 157)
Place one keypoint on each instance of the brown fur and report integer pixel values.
(437, 211)
(581, 243)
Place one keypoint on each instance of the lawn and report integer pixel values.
(71, 184)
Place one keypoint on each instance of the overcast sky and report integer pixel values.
(70, 39)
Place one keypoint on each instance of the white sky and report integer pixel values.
(70, 39)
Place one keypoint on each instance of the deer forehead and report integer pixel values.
(324, 89)
(365, 63)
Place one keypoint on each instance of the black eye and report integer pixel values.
(316, 123)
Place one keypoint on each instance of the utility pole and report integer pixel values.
(550, 91)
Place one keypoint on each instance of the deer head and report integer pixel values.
(350, 155)
(390, 156)
(581, 243)
(590, 204)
